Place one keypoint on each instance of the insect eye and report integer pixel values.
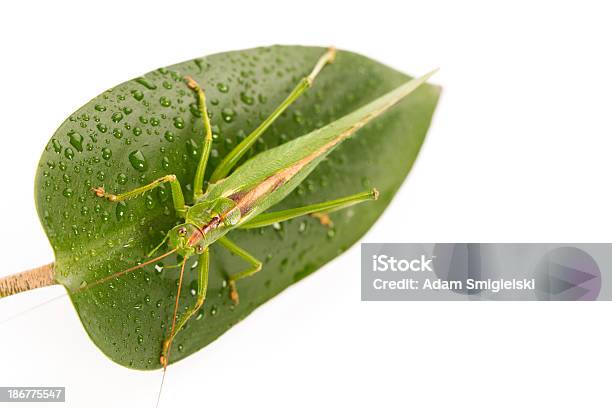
(182, 231)
(200, 249)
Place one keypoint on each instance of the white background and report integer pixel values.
(519, 151)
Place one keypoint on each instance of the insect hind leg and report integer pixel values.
(232, 158)
(206, 147)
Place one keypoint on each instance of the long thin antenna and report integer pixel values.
(175, 314)
(46, 302)
(117, 274)
(31, 309)
(161, 385)
(166, 355)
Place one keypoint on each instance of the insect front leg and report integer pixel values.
(255, 266)
(198, 182)
(175, 187)
(263, 220)
(232, 158)
(203, 265)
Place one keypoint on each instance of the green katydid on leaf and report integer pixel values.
(280, 132)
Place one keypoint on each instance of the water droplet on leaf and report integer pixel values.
(76, 140)
(179, 123)
(138, 95)
(228, 114)
(222, 87)
(164, 101)
(106, 153)
(116, 117)
(120, 210)
(146, 83)
(138, 161)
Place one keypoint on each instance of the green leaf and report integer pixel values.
(149, 127)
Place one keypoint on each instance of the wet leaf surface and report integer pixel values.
(150, 126)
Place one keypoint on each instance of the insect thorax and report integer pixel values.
(214, 218)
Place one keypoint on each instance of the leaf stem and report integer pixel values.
(27, 280)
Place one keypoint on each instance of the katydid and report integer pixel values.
(238, 199)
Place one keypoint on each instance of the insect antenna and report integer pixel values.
(154, 250)
(33, 308)
(168, 343)
(117, 274)
(105, 279)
